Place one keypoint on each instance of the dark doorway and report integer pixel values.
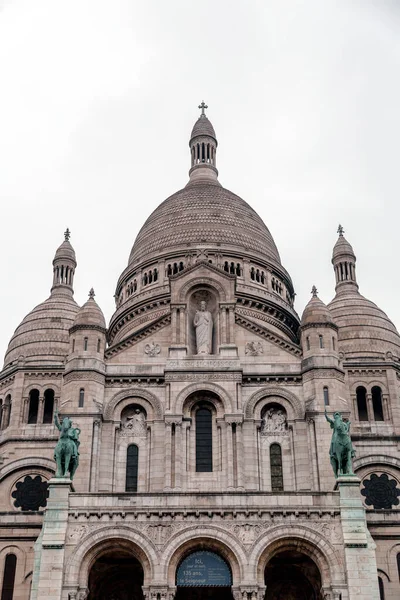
(204, 593)
(292, 575)
(116, 575)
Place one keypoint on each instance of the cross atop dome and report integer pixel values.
(91, 293)
(203, 106)
(314, 291)
(67, 234)
(340, 230)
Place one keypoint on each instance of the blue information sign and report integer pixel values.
(203, 569)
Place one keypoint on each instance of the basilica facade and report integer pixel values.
(200, 422)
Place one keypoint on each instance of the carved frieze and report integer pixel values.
(254, 349)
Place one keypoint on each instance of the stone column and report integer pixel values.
(174, 324)
(370, 409)
(223, 324)
(182, 314)
(231, 324)
(168, 455)
(359, 547)
(229, 455)
(48, 572)
(40, 410)
(178, 455)
(94, 471)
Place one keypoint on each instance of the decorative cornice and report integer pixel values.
(92, 327)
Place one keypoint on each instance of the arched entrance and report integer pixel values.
(116, 575)
(203, 575)
(292, 575)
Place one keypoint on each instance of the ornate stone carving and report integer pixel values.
(274, 422)
(134, 424)
(254, 349)
(152, 349)
(78, 532)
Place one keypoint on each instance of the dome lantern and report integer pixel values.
(344, 264)
(64, 265)
(203, 148)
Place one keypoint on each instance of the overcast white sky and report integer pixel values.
(97, 100)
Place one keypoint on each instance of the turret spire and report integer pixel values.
(344, 264)
(203, 148)
(64, 265)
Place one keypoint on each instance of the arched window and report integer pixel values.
(175, 268)
(275, 457)
(377, 403)
(238, 270)
(326, 396)
(226, 267)
(181, 266)
(398, 564)
(33, 406)
(308, 342)
(155, 275)
(98, 344)
(252, 273)
(321, 341)
(81, 398)
(150, 277)
(381, 589)
(361, 394)
(169, 270)
(85, 343)
(132, 461)
(10, 565)
(333, 343)
(48, 406)
(203, 440)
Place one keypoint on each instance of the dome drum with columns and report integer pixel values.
(204, 449)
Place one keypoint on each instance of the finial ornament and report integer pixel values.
(67, 234)
(340, 230)
(203, 106)
(314, 291)
(91, 293)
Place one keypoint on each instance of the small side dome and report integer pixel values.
(89, 315)
(316, 312)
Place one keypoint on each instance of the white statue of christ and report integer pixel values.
(203, 323)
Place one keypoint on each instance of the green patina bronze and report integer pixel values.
(341, 451)
(66, 453)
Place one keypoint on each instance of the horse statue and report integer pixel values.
(341, 451)
(66, 452)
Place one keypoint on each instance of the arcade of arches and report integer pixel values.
(203, 575)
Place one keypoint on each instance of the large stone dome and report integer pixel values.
(204, 213)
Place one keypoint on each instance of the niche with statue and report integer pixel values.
(203, 322)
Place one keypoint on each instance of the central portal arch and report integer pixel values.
(204, 575)
(291, 575)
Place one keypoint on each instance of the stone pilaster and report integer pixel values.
(359, 548)
(50, 548)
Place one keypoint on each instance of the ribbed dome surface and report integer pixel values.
(316, 312)
(203, 213)
(65, 251)
(363, 327)
(341, 247)
(203, 127)
(90, 314)
(43, 336)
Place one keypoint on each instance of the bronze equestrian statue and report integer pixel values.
(66, 452)
(341, 451)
